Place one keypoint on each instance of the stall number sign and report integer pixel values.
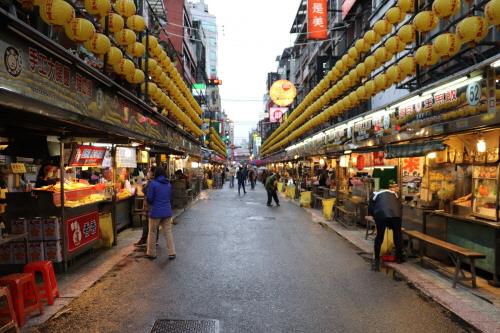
(18, 168)
(87, 156)
(82, 230)
(473, 93)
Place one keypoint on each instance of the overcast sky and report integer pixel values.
(251, 34)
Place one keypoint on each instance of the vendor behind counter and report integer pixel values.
(47, 175)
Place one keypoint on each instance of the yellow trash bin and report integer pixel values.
(290, 191)
(305, 199)
(280, 187)
(106, 229)
(210, 183)
(328, 207)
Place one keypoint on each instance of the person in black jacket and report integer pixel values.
(240, 175)
(386, 209)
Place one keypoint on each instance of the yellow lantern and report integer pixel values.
(79, 30)
(371, 37)
(136, 49)
(406, 5)
(340, 66)
(394, 74)
(125, 37)
(124, 67)
(353, 98)
(56, 12)
(394, 44)
(353, 76)
(492, 12)
(361, 70)
(156, 52)
(370, 63)
(370, 87)
(381, 82)
(347, 102)
(426, 56)
(136, 77)
(152, 64)
(407, 33)
(353, 53)
(98, 44)
(472, 29)
(346, 81)
(114, 55)
(151, 41)
(136, 23)
(382, 55)
(125, 8)
(348, 61)
(425, 21)
(362, 46)
(115, 22)
(97, 7)
(382, 27)
(361, 92)
(395, 15)
(447, 45)
(445, 8)
(408, 65)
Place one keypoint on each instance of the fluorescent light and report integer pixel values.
(347, 152)
(432, 155)
(496, 64)
(446, 85)
(481, 145)
(455, 85)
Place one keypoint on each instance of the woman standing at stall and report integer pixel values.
(160, 213)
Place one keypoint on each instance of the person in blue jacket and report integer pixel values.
(160, 213)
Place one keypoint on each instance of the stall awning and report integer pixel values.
(414, 149)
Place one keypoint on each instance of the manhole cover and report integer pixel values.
(185, 326)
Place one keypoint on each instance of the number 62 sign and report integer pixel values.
(473, 93)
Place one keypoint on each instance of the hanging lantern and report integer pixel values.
(353, 76)
(371, 37)
(115, 22)
(114, 55)
(426, 56)
(162, 56)
(353, 98)
(395, 15)
(447, 45)
(425, 21)
(406, 6)
(361, 70)
(394, 44)
(348, 61)
(472, 29)
(98, 44)
(136, 49)
(56, 12)
(382, 55)
(152, 64)
(152, 42)
(125, 8)
(340, 66)
(124, 67)
(370, 87)
(445, 8)
(97, 7)
(382, 27)
(346, 81)
(156, 52)
(492, 12)
(136, 23)
(381, 82)
(136, 77)
(362, 46)
(125, 37)
(361, 92)
(79, 30)
(353, 53)
(407, 33)
(408, 65)
(394, 74)
(370, 63)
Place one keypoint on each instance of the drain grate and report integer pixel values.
(185, 326)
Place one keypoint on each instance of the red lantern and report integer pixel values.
(360, 162)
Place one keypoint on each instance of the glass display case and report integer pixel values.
(77, 194)
(485, 192)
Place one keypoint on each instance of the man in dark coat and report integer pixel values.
(240, 175)
(385, 208)
(271, 189)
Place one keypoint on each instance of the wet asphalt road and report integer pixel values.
(255, 269)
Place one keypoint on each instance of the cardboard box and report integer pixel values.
(35, 251)
(35, 229)
(51, 229)
(18, 226)
(5, 254)
(18, 250)
(53, 250)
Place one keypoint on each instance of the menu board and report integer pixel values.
(126, 157)
(87, 156)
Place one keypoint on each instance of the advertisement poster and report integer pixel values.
(87, 156)
(82, 230)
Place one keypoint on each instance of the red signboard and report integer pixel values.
(346, 7)
(317, 19)
(82, 230)
(87, 156)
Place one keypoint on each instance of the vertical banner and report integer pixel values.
(317, 19)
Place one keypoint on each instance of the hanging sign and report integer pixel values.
(473, 93)
(82, 230)
(276, 114)
(346, 7)
(126, 157)
(362, 129)
(282, 93)
(317, 19)
(87, 156)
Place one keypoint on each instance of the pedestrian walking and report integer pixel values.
(240, 175)
(271, 189)
(252, 176)
(160, 213)
(245, 172)
(223, 175)
(142, 242)
(232, 174)
(385, 208)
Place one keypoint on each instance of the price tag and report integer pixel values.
(473, 93)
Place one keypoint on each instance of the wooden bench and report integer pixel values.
(455, 252)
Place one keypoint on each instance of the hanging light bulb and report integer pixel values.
(481, 145)
(432, 155)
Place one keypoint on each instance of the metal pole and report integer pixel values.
(417, 45)
(146, 69)
(63, 213)
(113, 200)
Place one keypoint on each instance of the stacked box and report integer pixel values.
(35, 251)
(5, 254)
(53, 250)
(35, 229)
(51, 229)
(18, 250)
(18, 226)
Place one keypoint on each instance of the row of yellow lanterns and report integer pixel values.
(218, 140)
(217, 149)
(217, 143)
(471, 29)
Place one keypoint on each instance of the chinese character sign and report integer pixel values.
(82, 230)
(317, 19)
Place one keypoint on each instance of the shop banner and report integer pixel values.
(126, 157)
(82, 230)
(317, 19)
(276, 114)
(362, 130)
(87, 156)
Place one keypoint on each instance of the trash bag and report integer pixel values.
(328, 207)
(106, 229)
(305, 199)
(290, 191)
(388, 243)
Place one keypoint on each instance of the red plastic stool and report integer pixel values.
(8, 312)
(24, 294)
(49, 288)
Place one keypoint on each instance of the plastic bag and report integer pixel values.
(106, 228)
(328, 207)
(305, 199)
(388, 243)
